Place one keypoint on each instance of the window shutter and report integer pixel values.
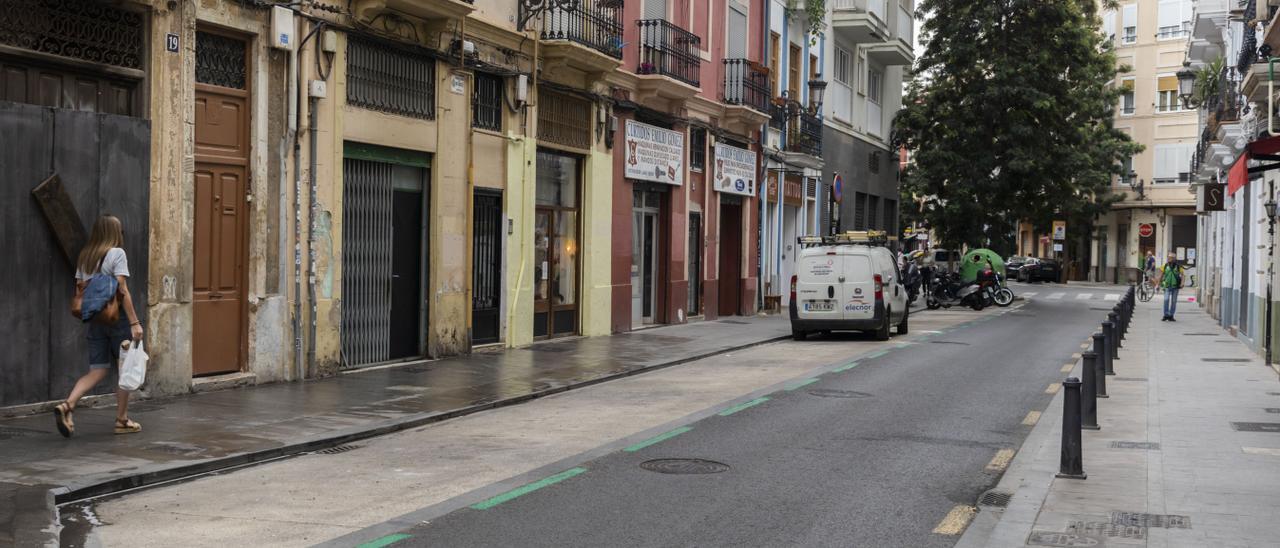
(1167, 83)
(1169, 13)
(1130, 15)
(1109, 24)
(655, 9)
(1166, 158)
(737, 34)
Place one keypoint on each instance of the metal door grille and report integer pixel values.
(563, 119)
(486, 292)
(220, 60)
(366, 261)
(385, 79)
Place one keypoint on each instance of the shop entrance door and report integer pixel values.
(486, 254)
(730, 256)
(644, 257)
(695, 264)
(555, 226)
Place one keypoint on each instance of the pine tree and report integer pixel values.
(1009, 117)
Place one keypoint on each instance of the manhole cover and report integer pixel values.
(950, 342)
(1226, 360)
(998, 499)
(1130, 379)
(735, 322)
(1273, 427)
(1135, 445)
(337, 449)
(831, 393)
(684, 466)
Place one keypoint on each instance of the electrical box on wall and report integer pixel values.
(282, 27)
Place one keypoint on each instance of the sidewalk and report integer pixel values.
(1188, 454)
(199, 433)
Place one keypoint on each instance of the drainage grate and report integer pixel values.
(1162, 521)
(1272, 427)
(337, 449)
(735, 322)
(998, 499)
(831, 393)
(1130, 379)
(950, 342)
(1135, 445)
(1226, 360)
(684, 466)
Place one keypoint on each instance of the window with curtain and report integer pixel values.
(1127, 103)
(1167, 94)
(1129, 16)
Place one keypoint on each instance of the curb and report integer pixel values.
(92, 488)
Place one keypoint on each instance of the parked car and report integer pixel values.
(1013, 264)
(1039, 270)
(847, 287)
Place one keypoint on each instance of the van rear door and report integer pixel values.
(859, 288)
(818, 292)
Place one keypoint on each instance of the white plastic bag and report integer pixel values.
(133, 368)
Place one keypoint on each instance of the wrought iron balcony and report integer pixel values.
(778, 116)
(668, 50)
(746, 83)
(804, 132)
(595, 24)
(1249, 45)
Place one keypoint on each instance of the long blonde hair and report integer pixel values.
(106, 235)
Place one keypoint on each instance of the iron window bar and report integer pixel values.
(486, 102)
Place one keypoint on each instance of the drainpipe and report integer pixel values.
(312, 134)
(294, 104)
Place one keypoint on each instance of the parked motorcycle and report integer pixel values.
(993, 284)
(914, 280)
(948, 290)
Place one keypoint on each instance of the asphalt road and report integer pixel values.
(876, 454)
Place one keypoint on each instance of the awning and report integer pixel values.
(1263, 150)
(1239, 174)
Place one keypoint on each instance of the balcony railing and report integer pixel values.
(746, 83)
(596, 25)
(1225, 106)
(777, 116)
(804, 134)
(668, 50)
(1249, 45)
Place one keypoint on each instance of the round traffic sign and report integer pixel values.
(1146, 230)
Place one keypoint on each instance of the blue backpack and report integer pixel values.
(98, 301)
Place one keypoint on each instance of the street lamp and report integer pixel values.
(1270, 205)
(1138, 186)
(817, 87)
(1186, 86)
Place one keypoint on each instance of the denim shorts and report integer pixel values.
(104, 343)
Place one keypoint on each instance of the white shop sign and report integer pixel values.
(735, 170)
(654, 154)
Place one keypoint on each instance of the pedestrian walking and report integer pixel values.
(1171, 282)
(98, 302)
(1149, 266)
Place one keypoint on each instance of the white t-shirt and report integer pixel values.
(114, 263)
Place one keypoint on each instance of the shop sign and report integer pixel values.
(654, 154)
(1213, 197)
(1146, 230)
(735, 170)
(1059, 230)
(793, 192)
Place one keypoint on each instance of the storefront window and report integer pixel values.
(557, 180)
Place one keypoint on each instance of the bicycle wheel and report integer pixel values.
(1145, 292)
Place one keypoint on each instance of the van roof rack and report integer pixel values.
(852, 237)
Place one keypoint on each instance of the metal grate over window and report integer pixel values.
(486, 102)
(89, 31)
(220, 60)
(388, 80)
(697, 148)
(564, 119)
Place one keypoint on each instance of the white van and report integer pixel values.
(847, 287)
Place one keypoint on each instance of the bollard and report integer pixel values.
(1089, 393)
(1072, 463)
(1109, 340)
(1100, 348)
(1099, 376)
(1114, 320)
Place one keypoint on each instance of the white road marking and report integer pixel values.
(1029, 294)
(1056, 296)
(1084, 296)
(1111, 297)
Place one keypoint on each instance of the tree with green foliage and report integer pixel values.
(1010, 116)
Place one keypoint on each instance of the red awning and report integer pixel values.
(1239, 174)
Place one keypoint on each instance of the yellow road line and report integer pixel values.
(1084, 346)
(1075, 356)
(1068, 367)
(955, 522)
(1053, 388)
(1032, 418)
(1000, 461)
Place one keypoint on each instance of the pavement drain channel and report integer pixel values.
(1130, 379)
(1226, 360)
(336, 449)
(832, 393)
(1268, 427)
(684, 466)
(1151, 446)
(950, 342)
(1273, 410)
(1200, 334)
(995, 499)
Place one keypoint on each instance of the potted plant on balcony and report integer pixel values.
(646, 68)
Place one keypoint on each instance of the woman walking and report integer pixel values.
(103, 255)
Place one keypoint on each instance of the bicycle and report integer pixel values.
(1146, 290)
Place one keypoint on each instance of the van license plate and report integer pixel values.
(820, 306)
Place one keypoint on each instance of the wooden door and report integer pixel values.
(221, 207)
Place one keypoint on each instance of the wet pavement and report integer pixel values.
(200, 433)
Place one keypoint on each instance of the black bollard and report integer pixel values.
(1072, 464)
(1099, 376)
(1089, 393)
(1114, 318)
(1109, 335)
(1100, 348)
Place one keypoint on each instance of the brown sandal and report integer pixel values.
(127, 426)
(62, 419)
